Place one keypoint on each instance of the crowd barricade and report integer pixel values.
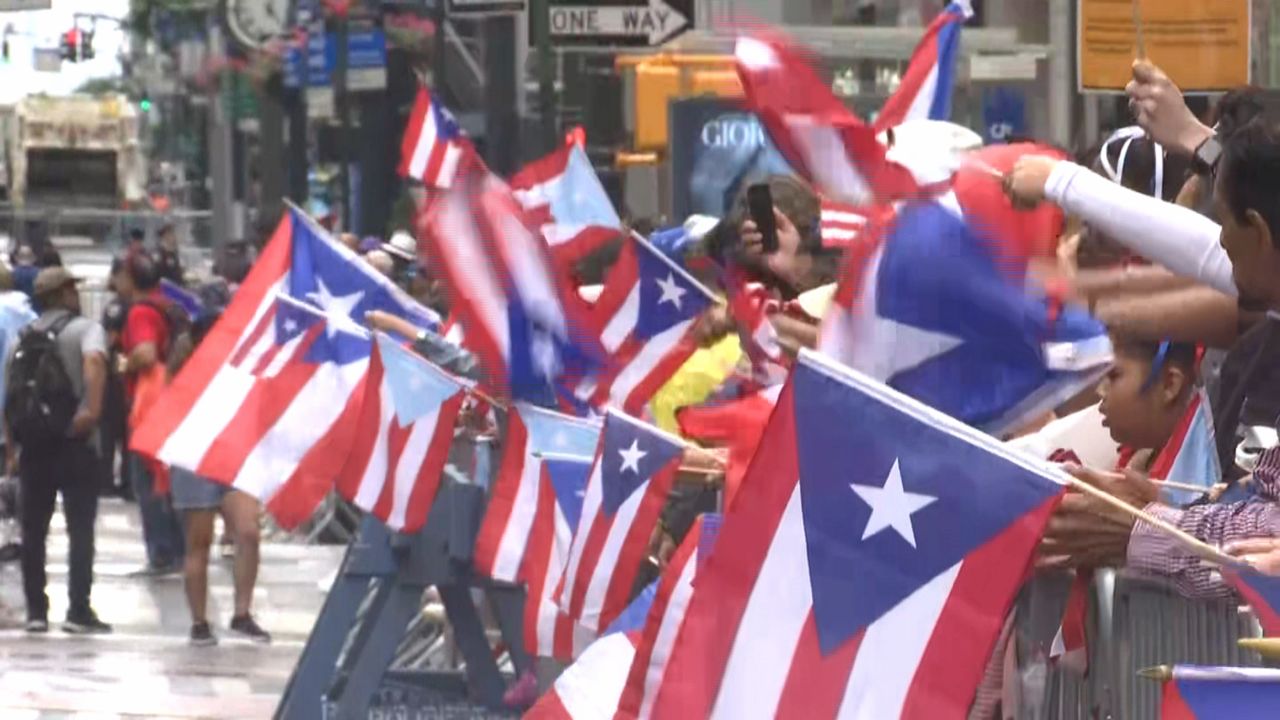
(1132, 623)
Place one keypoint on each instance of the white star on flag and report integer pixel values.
(338, 308)
(892, 506)
(290, 326)
(886, 347)
(631, 457)
(671, 290)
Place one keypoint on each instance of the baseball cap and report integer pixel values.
(51, 280)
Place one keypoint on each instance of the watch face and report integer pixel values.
(254, 22)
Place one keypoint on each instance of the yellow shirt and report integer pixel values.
(694, 382)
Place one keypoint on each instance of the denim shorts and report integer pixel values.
(192, 492)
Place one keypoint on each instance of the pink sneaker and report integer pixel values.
(523, 692)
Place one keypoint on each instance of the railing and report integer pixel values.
(1133, 623)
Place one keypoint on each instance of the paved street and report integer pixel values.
(146, 668)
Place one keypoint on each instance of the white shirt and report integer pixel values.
(1181, 239)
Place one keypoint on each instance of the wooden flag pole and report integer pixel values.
(1137, 27)
(1201, 549)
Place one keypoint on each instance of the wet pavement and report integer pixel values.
(146, 668)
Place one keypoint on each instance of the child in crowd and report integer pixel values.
(1146, 396)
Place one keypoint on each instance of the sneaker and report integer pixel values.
(36, 625)
(201, 635)
(246, 626)
(86, 623)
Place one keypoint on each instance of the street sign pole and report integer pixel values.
(343, 110)
(540, 23)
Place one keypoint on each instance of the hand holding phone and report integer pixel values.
(760, 205)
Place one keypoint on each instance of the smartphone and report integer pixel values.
(760, 205)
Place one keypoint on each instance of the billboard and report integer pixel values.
(716, 149)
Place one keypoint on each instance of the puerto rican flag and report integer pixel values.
(1191, 455)
(925, 91)
(930, 308)
(666, 617)
(817, 135)
(751, 304)
(190, 302)
(644, 319)
(519, 313)
(548, 632)
(635, 468)
(875, 552)
(254, 409)
(563, 195)
(589, 689)
(1220, 693)
(402, 439)
(514, 502)
(434, 148)
(738, 423)
(1261, 592)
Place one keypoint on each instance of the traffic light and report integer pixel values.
(71, 45)
(77, 45)
(145, 104)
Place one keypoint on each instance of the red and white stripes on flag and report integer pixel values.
(514, 500)
(666, 617)
(840, 224)
(548, 631)
(633, 473)
(434, 147)
(402, 439)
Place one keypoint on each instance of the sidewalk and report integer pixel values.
(146, 668)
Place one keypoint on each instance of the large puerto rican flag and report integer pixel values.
(251, 406)
(520, 316)
(821, 138)
(434, 149)
(666, 617)
(868, 565)
(931, 308)
(925, 91)
(644, 318)
(549, 632)
(563, 195)
(1220, 693)
(514, 502)
(407, 411)
(635, 468)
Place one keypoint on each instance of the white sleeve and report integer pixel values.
(1178, 238)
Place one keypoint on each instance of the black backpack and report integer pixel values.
(40, 400)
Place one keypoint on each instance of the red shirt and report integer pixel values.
(144, 324)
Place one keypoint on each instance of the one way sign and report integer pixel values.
(643, 23)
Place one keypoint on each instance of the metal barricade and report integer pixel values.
(1133, 623)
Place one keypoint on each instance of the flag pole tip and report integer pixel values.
(1162, 673)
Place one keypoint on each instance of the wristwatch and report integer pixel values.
(1207, 155)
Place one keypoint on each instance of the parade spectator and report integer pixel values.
(1247, 185)
(381, 261)
(49, 463)
(137, 242)
(113, 428)
(144, 343)
(200, 501)
(25, 270)
(168, 259)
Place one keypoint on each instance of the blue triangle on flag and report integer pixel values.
(417, 388)
(337, 282)
(568, 477)
(890, 501)
(667, 297)
(551, 432)
(631, 454)
(938, 275)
